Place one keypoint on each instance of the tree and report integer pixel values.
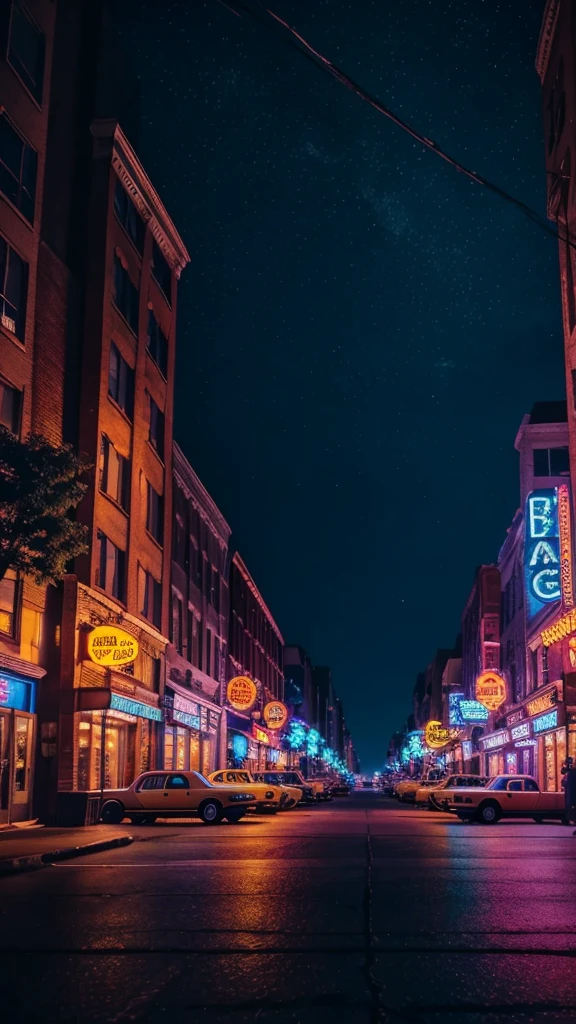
(40, 485)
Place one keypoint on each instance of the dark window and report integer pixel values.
(128, 216)
(13, 290)
(8, 603)
(114, 474)
(177, 782)
(216, 590)
(551, 462)
(531, 786)
(26, 46)
(208, 652)
(152, 782)
(162, 273)
(200, 648)
(121, 382)
(10, 407)
(126, 295)
(515, 787)
(190, 634)
(176, 624)
(216, 672)
(149, 597)
(18, 165)
(155, 514)
(111, 569)
(157, 344)
(180, 536)
(156, 433)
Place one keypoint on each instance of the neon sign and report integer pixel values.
(543, 702)
(520, 732)
(436, 735)
(558, 630)
(275, 714)
(134, 707)
(565, 531)
(497, 739)
(545, 722)
(241, 693)
(542, 550)
(297, 735)
(490, 690)
(473, 711)
(109, 645)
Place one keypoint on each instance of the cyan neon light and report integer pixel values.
(546, 722)
(134, 707)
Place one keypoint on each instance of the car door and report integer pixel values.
(178, 794)
(517, 801)
(150, 790)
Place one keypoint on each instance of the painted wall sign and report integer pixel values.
(546, 722)
(565, 531)
(241, 693)
(491, 690)
(542, 551)
(275, 714)
(110, 645)
(436, 735)
(558, 630)
(520, 732)
(17, 692)
(134, 707)
(472, 711)
(543, 702)
(497, 739)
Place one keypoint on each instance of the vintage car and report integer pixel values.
(270, 798)
(290, 777)
(176, 795)
(505, 796)
(322, 785)
(406, 789)
(431, 794)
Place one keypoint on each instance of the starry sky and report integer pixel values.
(361, 328)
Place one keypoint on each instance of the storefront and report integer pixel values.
(116, 737)
(493, 751)
(190, 733)
(537, 737)
(17, 743)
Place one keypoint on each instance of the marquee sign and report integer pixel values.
(111, 646)
(436, 736)
(542, 703)
(546, 722)
(275, 714)
(521, 731)
(559, 630)
(542, 550)
(495, 740)
(565, 531)
(241, 693)
(491, 690)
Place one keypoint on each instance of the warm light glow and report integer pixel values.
(241, 693)
(491, 690)
(436, 736)
(275, 714)
(109, 645)
(558, 630)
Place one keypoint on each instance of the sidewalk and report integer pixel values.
(26, 849)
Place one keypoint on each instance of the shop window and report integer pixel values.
(13, 290)
(114, 474)
(10, 407)
(154, 514)
(111, 568)
(149, 597)
(161, 272)
(157, 344)
(26, 50)
(9, 603)
(126, 295)
(121, 382)
(18, 167)
(128, 216)
(156, 431)
(551, 462)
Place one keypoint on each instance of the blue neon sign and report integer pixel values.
(473, 711)
(134, 707)
(542, 550)
(17, 692)
(546, 722)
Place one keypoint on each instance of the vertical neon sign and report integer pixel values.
(542, 551)
(565, 530)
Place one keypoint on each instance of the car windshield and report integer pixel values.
(500, 782)
(201, 778)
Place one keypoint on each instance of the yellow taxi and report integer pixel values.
(165, 794)
(269, 798)
(505, 796)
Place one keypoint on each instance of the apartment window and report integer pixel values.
(157, 344)
(156, 432)
(208, 652)
(216, 673)
(162, 272)
(9, 603)
(111, 569)
(149, 597)
(10, 407)
(216, 590)
(200, 648)
(176, 624)
(26, 48)
(551, 462)
(13, 290)
(126, 295)
(179, 552)
(121, 382)
(18, 166)
(154, 514)
(128, 216)
(114, 474)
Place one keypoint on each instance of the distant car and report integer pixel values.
(176, 795)
(289, 777)
(506, 796)
(431, 794)
(367, 783)
(270, 798)
(340, 787)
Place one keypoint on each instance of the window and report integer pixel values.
(121, 382)
(10, 407)
(152, 782)
(200, 648)
(216, 672)
(208, 651)
(18, 165)
(177, 782)
(126, 295)
(13, 290)
(192, 634)
(551, 462)
(530, 786)
(8, 603)
(154, 514)
(179, 553)
(156, 432)
(157, 344)
(149, 597)
(128, 216)
(176, 624)
(515, 786)
(111, 568)
(216, 590)
(114, 474)
(162, 272)
(26, 46)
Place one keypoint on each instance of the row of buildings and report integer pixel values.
(504, 698)
(126, 665)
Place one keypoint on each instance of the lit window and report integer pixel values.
(13, 290)
(8, 603)
(111, 568)
(114, 474)
(26, 47)
(121, 382)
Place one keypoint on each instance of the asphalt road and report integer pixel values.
(355, 911)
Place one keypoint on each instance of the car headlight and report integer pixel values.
(242, 796)
(269, 794)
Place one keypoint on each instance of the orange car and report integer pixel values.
(505, 796)
(176, 795)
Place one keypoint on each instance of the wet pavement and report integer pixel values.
(356, 911)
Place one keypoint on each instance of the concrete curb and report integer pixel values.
(33, 861)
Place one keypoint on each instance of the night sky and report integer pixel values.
(361, 328)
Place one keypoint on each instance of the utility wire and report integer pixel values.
(305, 49)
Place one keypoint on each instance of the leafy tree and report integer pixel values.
(39, 486)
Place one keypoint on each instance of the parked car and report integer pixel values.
(270, 799)
(431, 794)
(340, 787)
(289, 777)
(176, 795)
(323, 786)
(505, 796)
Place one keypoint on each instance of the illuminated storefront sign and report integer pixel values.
(520, 732)
(546, 722)
(467, 750)
(515, 716)
(436, 736)
(134, 707)
(275, 714)
(260, 735)
(497, 739)
(16, 692)
(472, 711)
(565, 531)
(558, 630)
(186, 712)
(543, 702)
(241, 693)
(526, 743)
(542, 550)
(491, 690)
(454, 715)
(109, 645)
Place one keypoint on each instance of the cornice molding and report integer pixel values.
(194, 491)
(240, 565)
(111, 143)
(546, 37)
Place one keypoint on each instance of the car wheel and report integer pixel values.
(489, 813)
(112, 812)
(211, 812)
(233, 817)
